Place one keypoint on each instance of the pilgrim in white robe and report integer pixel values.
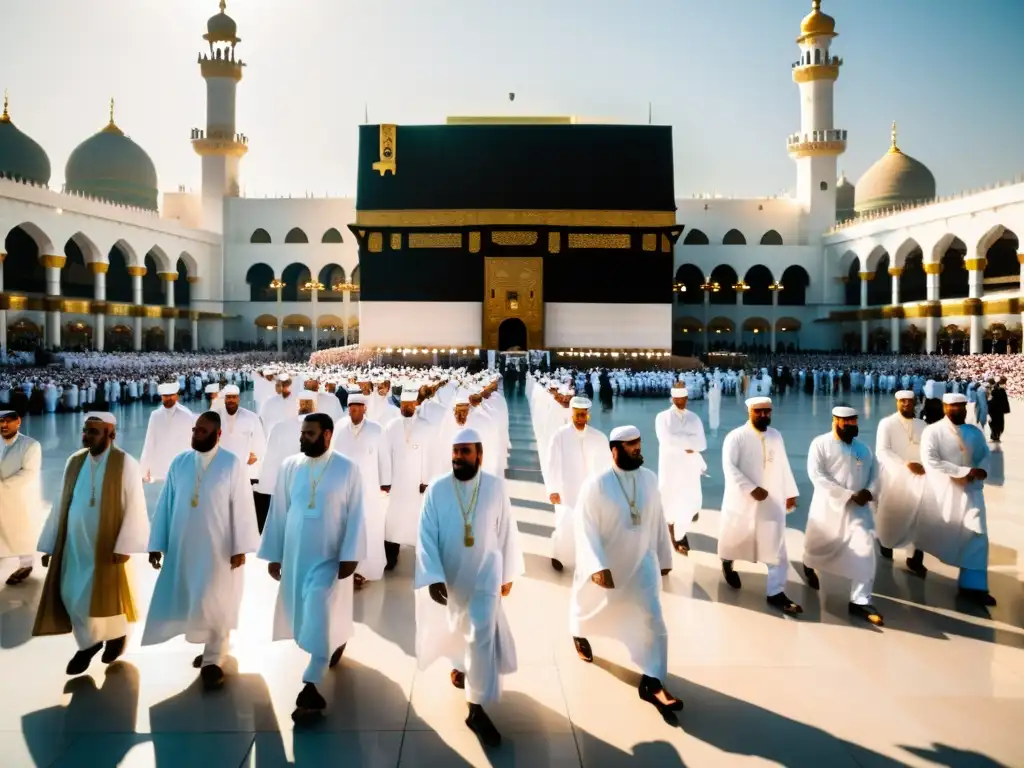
(679, 472)
(21, 498)
(76, 582)
(635, 553)
(755, 531)
(364, 444)
(409, 441)
(957, 532)
(282, 442)
(316, 522)
(903, 497)
(168, 434)
(495, 451)
(204, 517)
(840, 536)
(715, 405)
(242, 434)
(573, 456)
(382, 410)
(472, 631)
(279, 408)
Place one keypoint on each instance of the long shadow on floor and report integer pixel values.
(388, 606)
(18, 605)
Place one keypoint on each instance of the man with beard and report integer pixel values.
(314, 539)
(680, 466)
(281, 406)
(466, 560)
(206, 524)
(242, 434)
(98, 522)
(955, 457)
(840, 535)
(168, 434)
(623, 550)
(21, 495)
(759, 490)
(408, 440)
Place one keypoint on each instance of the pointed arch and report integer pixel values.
(182, 286)
(260, 236)
(880, 286)
(725, 276)
(734, 237)
(760, 279)
(76, 281)
(771, 237)
(1002, 270)
(953, 277)
(696, 237)
(690, 277)
(23, 271)
(332, 275)
(355, 275)
(152, 284)
(42, 241)
(296, 235)
(795, 282)
(259, 276)
(295, 276)
(119, 282)
(332, 235)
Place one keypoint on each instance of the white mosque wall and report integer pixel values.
(420, 323)
(753, 218)
(608, 326)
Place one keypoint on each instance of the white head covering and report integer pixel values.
(462, 397)
(231, 389)
(357, 399)
(624, 434)
(7, 413)
(905, 394)
(283, 377)
(410, 394)
(104, 416)
(679, 392)
(167, 389)
(954, 398)
(212, 389)
(308, 397)
(466, 435)
(580, 403)
(758, 402)
(844, 412)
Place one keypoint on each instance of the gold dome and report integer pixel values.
(896, 179)
(816, 24)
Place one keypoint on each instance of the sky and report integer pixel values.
(717, 71)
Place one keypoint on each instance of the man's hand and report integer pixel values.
(862, 497)
(666, 571)
(915, 468)
(791, 504)
(386, 488)
(154, 559)
(120, 559)
(962, 480)
(423, 487)
(603, 579)
(438, 593)
(274, 569)
(505, 589)
(555, 498)
(237, 561)
(759, 494)
(689, 450)
(977, 474)
(252, 458)
(148, 478)
(46, 561)
(346, 568)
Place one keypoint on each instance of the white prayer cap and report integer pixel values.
(167, 389)
(410, 394)
(7, 413)
(308, 397)
(844, 412)
(905, 394)
(758, 402)
(357, 399)
(580, 403)
(624, 434)
(679, 392)
(954, 398)
(462, 397)
(284, 377)
(231, 389)
(104, 416)
(466, 435)
(212, 389)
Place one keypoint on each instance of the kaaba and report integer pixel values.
(546, 235)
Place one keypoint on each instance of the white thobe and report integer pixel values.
(382, 410)
(282, 442)
(840, 536)
(21, 498)
(327, 402)
(751, 530)
(902, 495)
(242, 434)
(471, 631)
(958, 531)
(409, 441)
(310, 532)
(495, 452)
(679, 472)
(715, 406)
(278, 408)
(635, 553)
(205, 516)
(573, 456)
(364, 444)
(168, 434)
(80, 544)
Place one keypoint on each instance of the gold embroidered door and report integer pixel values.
(513, 292)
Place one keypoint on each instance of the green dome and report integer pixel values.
(112, 167)
(845, 193)
(20, 157)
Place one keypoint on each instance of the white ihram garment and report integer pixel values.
(409, 441)
(679, 472)
(282, 442)
(168, 434)
(365, 446)
(573, 456)
(242, 434)
(21, 498)
(902, 496)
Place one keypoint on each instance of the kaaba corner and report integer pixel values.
(519, 233)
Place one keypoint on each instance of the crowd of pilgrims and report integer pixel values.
(338, 468)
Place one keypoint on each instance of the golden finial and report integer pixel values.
(815, 5)
(112, 110)
(5, 118)
(894, 149)
(112, 126)
(223, 6)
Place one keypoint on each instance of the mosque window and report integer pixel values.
(260, 236)
(817, 56)
(734, 237)
(695, 237)
(824, 186)
(332, 235)
(771, 237)
(296, 235)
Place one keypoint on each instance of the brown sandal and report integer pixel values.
(358, 582)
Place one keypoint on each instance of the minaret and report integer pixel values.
(818, 144)
(220, 146)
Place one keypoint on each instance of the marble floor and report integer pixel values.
(939, 685)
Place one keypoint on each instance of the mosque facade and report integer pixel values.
(545, 233)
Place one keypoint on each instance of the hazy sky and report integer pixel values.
(717, 71)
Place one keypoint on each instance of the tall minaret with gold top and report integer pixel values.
(818, 144)
(220, 145)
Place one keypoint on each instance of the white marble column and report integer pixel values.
(865, 278)
(99, 293)
(3, 312)
(976, 290)
(931, 272)
(894, 322)
(195, 332)
(54, 264)
(136, 274)
(169, 322)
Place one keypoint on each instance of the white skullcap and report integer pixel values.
(844, 412)
(466, 435)
(462, 397)
(231, 389)
(284, 377)
(7, 413)
(580, 403)
(212, 389)
(357, 399)
(308, 397)
(410, 394)
(679, 392)
(167, 389)
(624, 434)
(906, 394)
(954, 398)
(758, 402)
(104, 416)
